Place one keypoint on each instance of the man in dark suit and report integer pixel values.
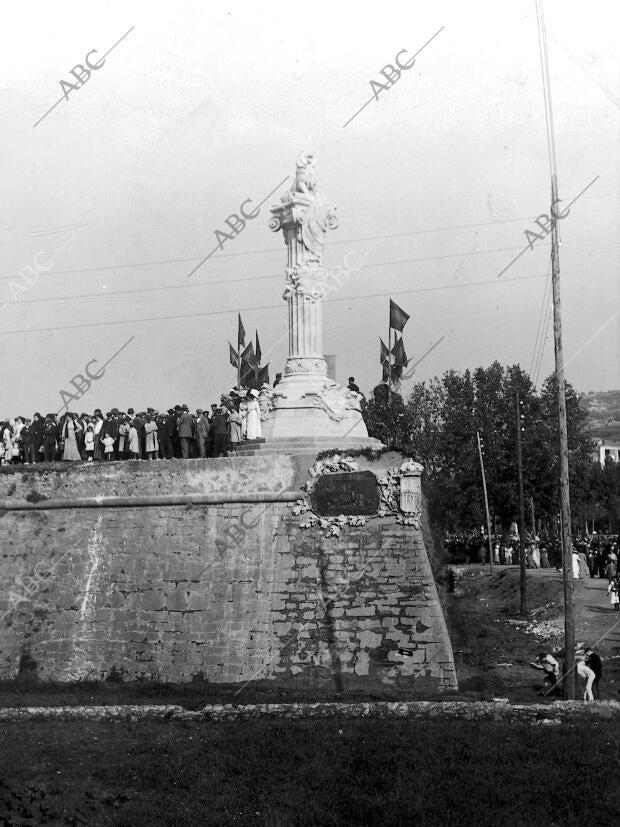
(168, 435)
(37, 430)
(27, 440)
(211, 435)
(219, 426)
(50, 431)
(185, 425)
(110, 428)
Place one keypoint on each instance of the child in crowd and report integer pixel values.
(613, 590)
(89, 443)
(108, 446)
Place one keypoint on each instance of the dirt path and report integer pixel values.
(493, 645)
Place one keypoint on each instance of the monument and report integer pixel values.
(307, 404)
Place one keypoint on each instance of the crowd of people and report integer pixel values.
(149, 435)
(474, 548)
(595, 556)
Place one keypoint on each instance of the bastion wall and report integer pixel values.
(210, 569)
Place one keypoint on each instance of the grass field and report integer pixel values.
(315, 772)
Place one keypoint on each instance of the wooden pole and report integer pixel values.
(521, 506)
(567, 550)
(389, 362)
(486, 503)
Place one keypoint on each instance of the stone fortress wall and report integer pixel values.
(214, 570)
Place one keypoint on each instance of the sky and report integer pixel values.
(113, 197)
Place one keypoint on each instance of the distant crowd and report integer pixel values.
(598, 554)
(150, 434)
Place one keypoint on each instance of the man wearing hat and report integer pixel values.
(185, 424)
(219, 426)
(167, 434)
(50, 432)
(211, 435)
(37, 430)
(110, 428)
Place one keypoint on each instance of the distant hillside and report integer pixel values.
(603, 409)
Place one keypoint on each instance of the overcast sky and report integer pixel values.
(199, 108)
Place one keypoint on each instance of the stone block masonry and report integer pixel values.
(169, 578)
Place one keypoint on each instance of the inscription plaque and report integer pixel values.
(351, 493)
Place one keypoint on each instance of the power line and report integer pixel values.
(332, 243)
(541, 316)
(266, 307)
(253, 278)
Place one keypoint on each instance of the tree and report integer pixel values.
(438, 424)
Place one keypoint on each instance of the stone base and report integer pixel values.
(311, 407)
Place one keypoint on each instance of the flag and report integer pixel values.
(398, 317)
(248, 356)
(385, 353)
(386, 371)
(247, 374)
(233, 356)
(240, 334)
(398, 351)
(263, 375)
(258, 351)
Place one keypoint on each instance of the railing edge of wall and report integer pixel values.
(152, 501)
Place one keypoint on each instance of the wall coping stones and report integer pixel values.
(557, 712)
(94, 485)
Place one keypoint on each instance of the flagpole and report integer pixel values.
(389, 362)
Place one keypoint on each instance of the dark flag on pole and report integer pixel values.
(386, 371)
(258, 350)
(400, 357)
(247, 374)
(398, 317)
(263, 375)
(233, 356)
(248, 356)
(385, 353)
(240, 334)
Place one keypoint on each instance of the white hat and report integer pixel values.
(254, 393)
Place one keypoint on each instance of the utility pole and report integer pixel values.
(486, 503)
(567, 552)
(567, 547)
(521, 506)
(390, 363)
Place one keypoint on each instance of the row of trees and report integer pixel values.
(437, 425)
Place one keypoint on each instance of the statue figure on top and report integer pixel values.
(315, 215)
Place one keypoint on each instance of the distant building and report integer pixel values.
(607, 450)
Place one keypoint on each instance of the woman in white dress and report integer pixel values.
(253, 419)
(69, 434)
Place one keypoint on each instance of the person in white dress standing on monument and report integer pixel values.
(254, 430)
